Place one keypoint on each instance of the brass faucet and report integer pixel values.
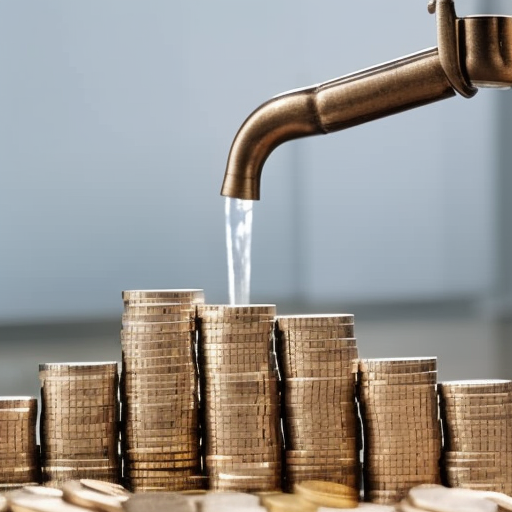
(472, 52)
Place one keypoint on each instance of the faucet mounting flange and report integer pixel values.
(448, 39)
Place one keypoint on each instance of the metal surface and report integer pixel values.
(472, 52)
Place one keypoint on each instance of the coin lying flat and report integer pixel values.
(366, 507)
(95, 494)
(502, 500)
(287, 503)
(158, 502)
(405, 506)
(46, 492)
(216, 501)
(436, 498)
(23, 501)
(327, 494)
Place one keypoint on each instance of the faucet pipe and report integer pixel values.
(341, 103)
(473, 52)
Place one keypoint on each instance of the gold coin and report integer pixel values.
(287, 503)
(327, 494)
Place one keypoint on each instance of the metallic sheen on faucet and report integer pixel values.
(472, 52)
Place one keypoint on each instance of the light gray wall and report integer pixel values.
(116, 118)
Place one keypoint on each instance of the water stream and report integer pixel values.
(238, 241)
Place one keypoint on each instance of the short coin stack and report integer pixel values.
(159, 390)
(79, 422)
(402, 435)
(316, 354)
(19, 458)
(477, 424)
(241, 401)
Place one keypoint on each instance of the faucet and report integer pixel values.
(472, 52)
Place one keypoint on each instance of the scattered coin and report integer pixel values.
(74, 491)
(436, 498)
(229, 501)
(287, 503)
(23, 501)
(158, 502)
(327, 494)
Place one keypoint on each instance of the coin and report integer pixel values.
(159, 389)
(327, 494)
(316, 354)
(157, 502)
(477, 420)
(287, 503)
(23, 501)
(79, 434)
(241, 400)
(441, 499)
(183, 295)
(18, 449)
(92, 495)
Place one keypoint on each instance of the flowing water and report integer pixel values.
(238, 241)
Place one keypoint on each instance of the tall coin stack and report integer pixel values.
(159, 390)
(477, 425)
(241, 401)
(402, 435)
(79, 422)
(19, 458)
(316, 354)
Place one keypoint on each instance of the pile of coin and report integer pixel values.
(402, 434)
(477, 426)
(159, 390)
(19, 456)
(321, 426)
(79, 422)
(240, 398)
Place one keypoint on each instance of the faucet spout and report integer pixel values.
(341, 103)
(289, 116)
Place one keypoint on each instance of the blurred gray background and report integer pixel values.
(116, 119)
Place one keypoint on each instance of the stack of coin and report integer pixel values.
(402, 434)
(79, 422)
(477, 426)
(159, 390)
(322, 441)
(240, 398)
(19, 457)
